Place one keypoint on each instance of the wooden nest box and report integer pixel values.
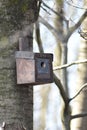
(34, 68)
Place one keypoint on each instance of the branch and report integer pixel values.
(78, 116)
(57, 13)
(83, 34)
(84, 86)
(51, 28)
(73, 5)
(38, 37)
(39, 5)
(68, 65)
(45, 10)
(57, 82)
(72, 29)
(61, 89)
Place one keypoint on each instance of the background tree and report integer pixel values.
(80, 101)
(68, 30)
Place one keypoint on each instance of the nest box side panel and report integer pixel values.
(25, 71)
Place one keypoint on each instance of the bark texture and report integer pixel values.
(16, 14)
(80, 106)
(16, 101)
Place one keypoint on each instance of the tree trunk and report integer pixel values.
(62, 59)
(16, 101)
(80, 105)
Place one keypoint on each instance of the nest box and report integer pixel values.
(34, 68)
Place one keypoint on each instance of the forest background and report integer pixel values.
(47, 99)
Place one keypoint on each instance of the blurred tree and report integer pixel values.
(80, 103)
(63, 36)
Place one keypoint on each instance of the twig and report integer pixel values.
(84, 86)
(78, 116)
(82, 34)
(57, 13)
(45, 10)
(61, 89)
(72, 29)
(60, 37)
(51, 28)
(38, 37)
(75, 6)
(68, 65)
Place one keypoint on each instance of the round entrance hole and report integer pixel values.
(43, 64)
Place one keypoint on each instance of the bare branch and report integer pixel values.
(57, 13)
(39, 5)
(38, 37)
(45, 10)
(61, 89)
(72, 29)
(60, 37)
(78, 116)
(57, 81)
(51, 28)
(68, 65)
(84, 86)
(82, 34)
(59, 84)
(75, 6)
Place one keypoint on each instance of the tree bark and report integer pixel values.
(16, 101)
(62, 59)
(80, 105)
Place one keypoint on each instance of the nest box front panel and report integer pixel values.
(25, 71)
(43, 68)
